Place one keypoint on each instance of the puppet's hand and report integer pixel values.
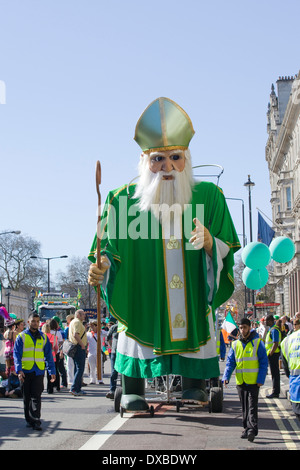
(201, 238)
(96, 275)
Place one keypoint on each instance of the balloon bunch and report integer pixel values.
(256, 256)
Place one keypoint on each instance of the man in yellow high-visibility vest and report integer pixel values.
(272, 343)
(32, 352)
(248, 356)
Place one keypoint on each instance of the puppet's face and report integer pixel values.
(165, 179)
(166, 161)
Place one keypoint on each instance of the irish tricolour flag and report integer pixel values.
(228, 326)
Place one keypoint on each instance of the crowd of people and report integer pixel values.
(22, 371)
(286, 325)
(272, 341)
(57, 333)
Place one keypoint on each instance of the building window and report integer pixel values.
(288, 194)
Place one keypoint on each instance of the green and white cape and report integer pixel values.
(162, 291)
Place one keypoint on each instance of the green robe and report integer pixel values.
(137, 290)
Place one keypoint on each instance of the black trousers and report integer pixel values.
(33, 387)
(275, 372)
(248, 395)
(60, 370)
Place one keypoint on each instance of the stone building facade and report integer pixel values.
(282, 154)
(18, 303)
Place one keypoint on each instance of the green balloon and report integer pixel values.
(282, 249)
(255, 278)
(256, 255)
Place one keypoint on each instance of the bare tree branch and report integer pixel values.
(16, 267)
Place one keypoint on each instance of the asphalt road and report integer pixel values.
(90, 423)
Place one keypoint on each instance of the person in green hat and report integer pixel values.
(59, 322)
(167, 246)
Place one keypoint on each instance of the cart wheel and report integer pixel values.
(216, 400)
(151, 409)
(117, 398)
(121, 411)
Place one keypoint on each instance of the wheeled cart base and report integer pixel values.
(131, 397)
(214, 397)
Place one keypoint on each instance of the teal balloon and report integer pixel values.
(256, 255)
(282, 249)
(255, 278)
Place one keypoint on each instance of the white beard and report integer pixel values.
(159, 195)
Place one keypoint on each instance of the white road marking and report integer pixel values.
(273, 404)
(97, 441)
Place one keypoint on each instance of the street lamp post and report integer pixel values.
(249, 184)
(8, 291)
(244, 238)
(32, 296)
(48, 260)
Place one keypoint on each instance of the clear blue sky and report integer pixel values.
(79, 73)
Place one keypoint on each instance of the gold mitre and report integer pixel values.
(164, 125)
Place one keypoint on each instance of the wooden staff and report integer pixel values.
(99, 357)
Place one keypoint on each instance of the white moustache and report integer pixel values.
(163, 175)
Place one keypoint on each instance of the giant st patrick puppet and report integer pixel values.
(167, 246)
